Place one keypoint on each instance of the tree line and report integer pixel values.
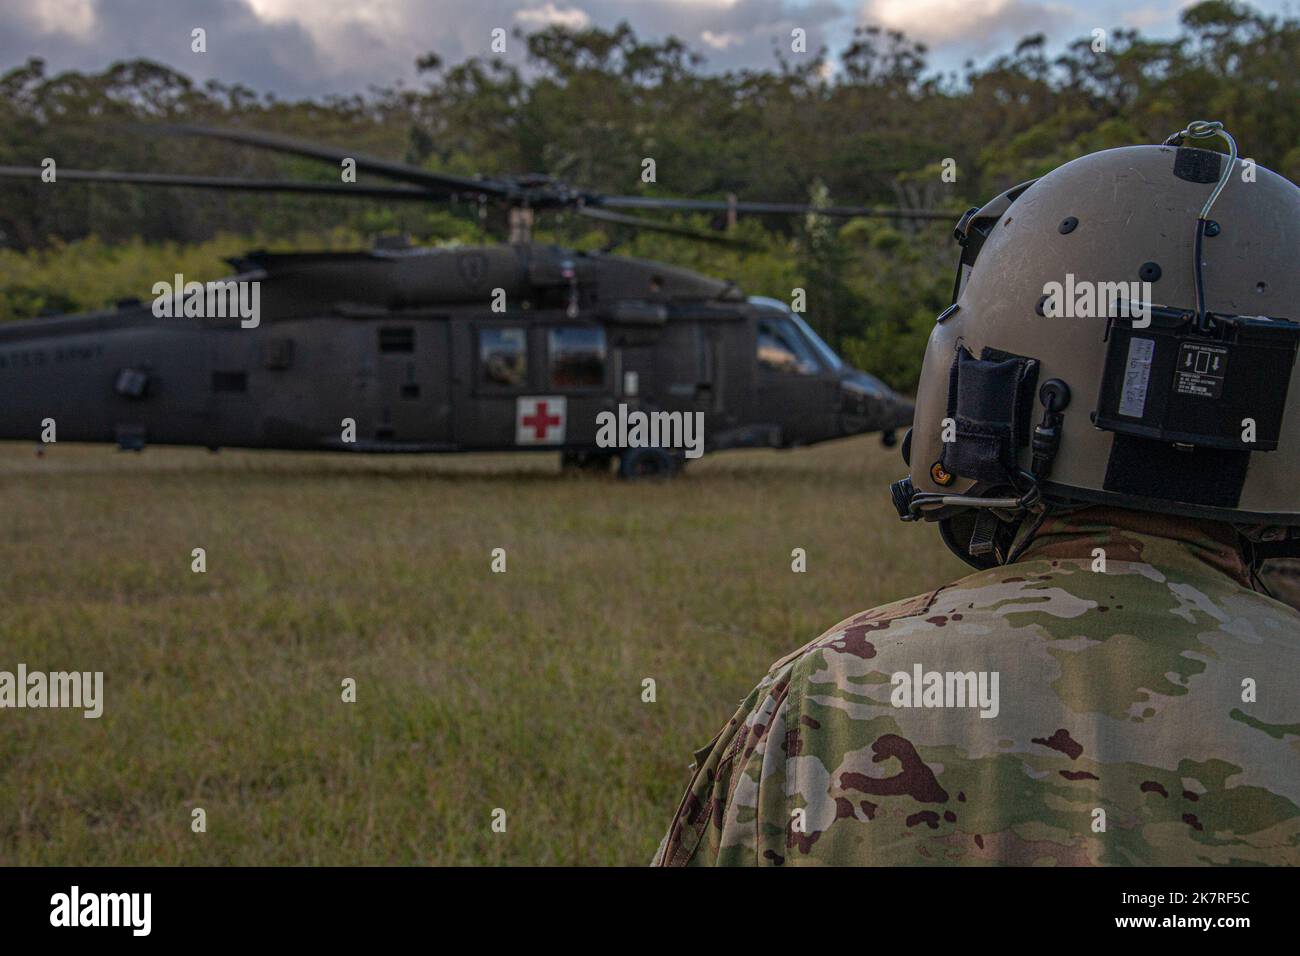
(588, 106)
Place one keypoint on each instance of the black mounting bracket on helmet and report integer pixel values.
(975, 226)
(989, 401)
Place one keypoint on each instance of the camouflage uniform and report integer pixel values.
(1120, 691)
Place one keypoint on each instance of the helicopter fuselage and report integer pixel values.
(508, 348)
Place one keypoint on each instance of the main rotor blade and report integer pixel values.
(666, 227)
(218, 182)
(441, 182)
(769, 208)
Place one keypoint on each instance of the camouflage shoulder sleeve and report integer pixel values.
(1039, 713)
(718, 821)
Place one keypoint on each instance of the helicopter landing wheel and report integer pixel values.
(586, 462)
(637, 463)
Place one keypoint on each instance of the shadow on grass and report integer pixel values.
(803, 467)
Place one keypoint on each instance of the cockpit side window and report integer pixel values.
(781, 349)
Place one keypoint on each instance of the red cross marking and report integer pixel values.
(539, 421)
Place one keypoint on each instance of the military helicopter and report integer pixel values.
(521, 346)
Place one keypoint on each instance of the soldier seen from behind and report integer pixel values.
(1106, 428)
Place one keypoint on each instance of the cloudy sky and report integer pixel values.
(314, 47)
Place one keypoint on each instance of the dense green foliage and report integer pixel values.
(589, 106)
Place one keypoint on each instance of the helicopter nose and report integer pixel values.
(902, 411)
(869, 405)
(855, 408)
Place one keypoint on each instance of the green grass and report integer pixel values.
(475, 690)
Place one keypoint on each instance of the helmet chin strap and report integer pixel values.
(1260, 545)
(1025, 533)
(959, 544)
(992, 531)
(996, 537)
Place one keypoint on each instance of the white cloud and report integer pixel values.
(318, 47)
(976, 24)
(719, 41)
(550, 15)
(1145, 18)
(965, 21)
(75, 18)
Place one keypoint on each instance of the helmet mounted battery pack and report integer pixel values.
(1223, 387)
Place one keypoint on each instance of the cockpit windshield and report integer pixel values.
(833, 361)
(824, 351)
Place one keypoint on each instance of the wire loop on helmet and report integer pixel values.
(1205, 129)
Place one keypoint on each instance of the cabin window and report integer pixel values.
(781, 349)
(397, 339)
(577, 356)
(503, 357)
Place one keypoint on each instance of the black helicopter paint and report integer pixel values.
(400, 350)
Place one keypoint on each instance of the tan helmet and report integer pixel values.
(1118, 335)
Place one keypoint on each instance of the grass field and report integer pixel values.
(475, 690)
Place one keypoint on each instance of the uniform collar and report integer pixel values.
(1140, 536)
